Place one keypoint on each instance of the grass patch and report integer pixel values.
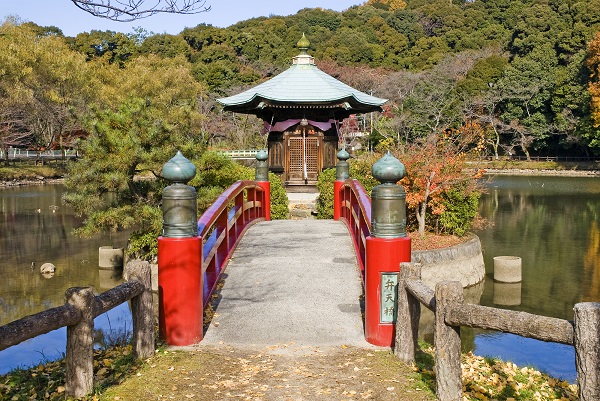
(279, 372)
(27, 172)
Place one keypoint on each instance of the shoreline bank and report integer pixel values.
(542, 172)
(37, 181)
(487, 172)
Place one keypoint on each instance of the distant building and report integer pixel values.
(302, 109)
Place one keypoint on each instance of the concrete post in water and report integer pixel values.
(109, 257)
(342, 173)
(507, 294)
(386, 247)
(180, 258)
(262, 179)
(507, 269)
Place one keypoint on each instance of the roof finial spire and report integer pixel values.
(303, 44)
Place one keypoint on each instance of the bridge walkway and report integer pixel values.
(290, 282)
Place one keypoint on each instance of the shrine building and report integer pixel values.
(302, 109)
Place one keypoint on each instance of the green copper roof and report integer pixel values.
(303, 84)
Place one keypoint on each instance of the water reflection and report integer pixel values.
(551, 223)
(507, 294)
(36, 229)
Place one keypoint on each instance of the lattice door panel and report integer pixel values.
(312, 158)
(295, 159)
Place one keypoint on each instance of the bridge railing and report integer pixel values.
(78, 314)
(241, 153)
(17, 154)
(447, 303)
(221, 226)
(377, 227)
(355, 211)
(192, 253)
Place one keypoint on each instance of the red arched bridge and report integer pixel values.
(287, 280)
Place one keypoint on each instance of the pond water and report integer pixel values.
(36, 228)
(550, 222)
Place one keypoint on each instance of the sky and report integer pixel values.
(71, 20)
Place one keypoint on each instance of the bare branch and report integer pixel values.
(130, 10)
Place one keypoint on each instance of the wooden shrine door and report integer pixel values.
(304, 159)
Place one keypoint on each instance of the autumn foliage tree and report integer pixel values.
(435, 168)
(593, 63)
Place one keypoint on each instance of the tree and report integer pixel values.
(593, 63)
(430, 102)
(164, 45)
(435, 165)
(526, 88)
(155, 113)
(130, 10)
(115, 47)
(43, 84)
(391, 5)
(11, 131)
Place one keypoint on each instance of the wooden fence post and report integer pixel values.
(408, 314)
(447, 343)
(79, 379)
(142, 311)
(587, 350)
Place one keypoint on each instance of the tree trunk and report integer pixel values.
(496, 143)
(522, 144)
(422, 208)
(421, 218)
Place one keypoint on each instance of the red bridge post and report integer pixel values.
(262, 179)
(342, 173)
(386, 247)
(180, 258)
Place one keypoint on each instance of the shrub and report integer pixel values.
(456, 208)
(460, 210)
(279, 200)
(325, 198)
(360, 169)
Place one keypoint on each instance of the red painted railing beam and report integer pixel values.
(192, 253)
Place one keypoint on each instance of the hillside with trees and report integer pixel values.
(526, 71)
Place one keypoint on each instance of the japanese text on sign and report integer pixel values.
(389, 291)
